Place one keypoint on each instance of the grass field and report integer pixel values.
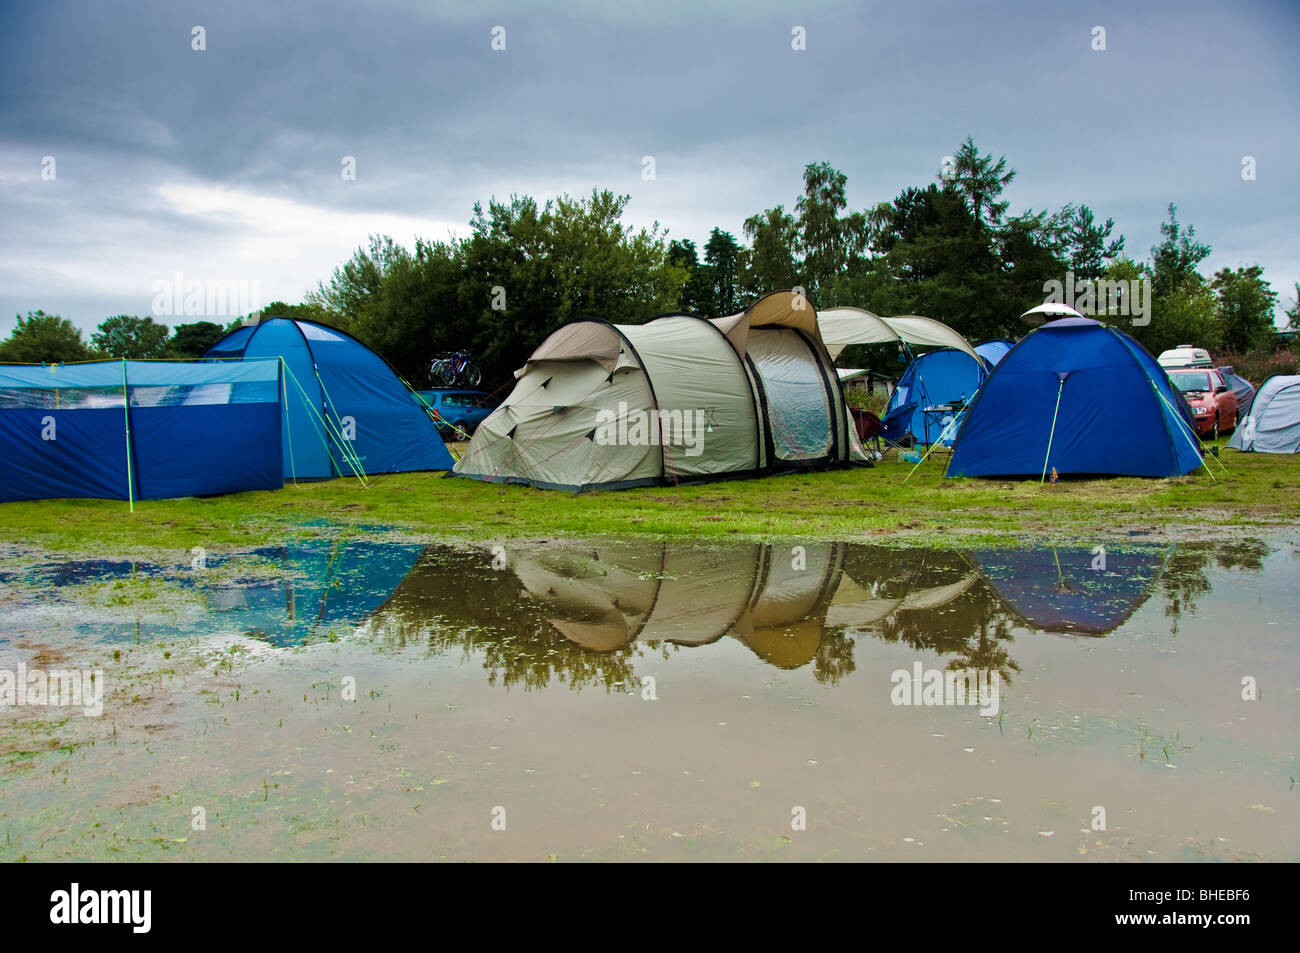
(1255, 490)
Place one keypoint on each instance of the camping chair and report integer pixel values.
(868, 426)
(893, 429)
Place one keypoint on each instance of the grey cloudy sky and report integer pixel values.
(224, 165)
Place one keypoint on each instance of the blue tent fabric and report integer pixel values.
(344, 408)
(1073, 589)
(934, 379)
(1090, 391)
(322, 585)
(1242, 389)
(190, 429)
(993, 351)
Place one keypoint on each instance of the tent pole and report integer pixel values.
(1185, 428)
(1052, 435)
(1190, 438)
(930, 448)
(284, 389)
(126, 415)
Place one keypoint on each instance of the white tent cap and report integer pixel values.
(1049, 310)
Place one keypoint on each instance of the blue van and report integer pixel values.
(458, 410)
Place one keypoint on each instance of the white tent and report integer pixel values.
(841, 327)
(1274, 422)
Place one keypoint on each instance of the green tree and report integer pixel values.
(830, 243)
(550, 264)
(697, 292)
(125, 335)
(981, 182)
(1187, 316)
(1175, 260)
(1084, 244)
(193, 340)
(771, 264)
(43, 338)
(358, 280)
(722, 255)
(944, 264)
(1245, 308)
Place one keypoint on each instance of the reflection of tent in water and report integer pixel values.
(321, 584)
(777, 602)
(1058, 590)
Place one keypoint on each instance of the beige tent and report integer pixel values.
(841, 327)
(678, 399)
(611, 594)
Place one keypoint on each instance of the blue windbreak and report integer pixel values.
(192, 429)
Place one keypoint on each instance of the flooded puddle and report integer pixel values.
(605, 700)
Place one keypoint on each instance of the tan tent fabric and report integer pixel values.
(854, 607)
(777, 604)
(540, 433)
(581, 340)
(786, 308)
(841, 327)
(678, 398)
(697, 377)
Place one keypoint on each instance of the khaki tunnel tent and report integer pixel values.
(625, 593)
(678, 399)
(841, 327)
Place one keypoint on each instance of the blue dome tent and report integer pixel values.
(993, 351)
(935, 379)
(1073, 589)
(1080, 397)
(345, 410)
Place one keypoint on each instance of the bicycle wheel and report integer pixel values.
(472, 375)
(446, 376)
(435, 370)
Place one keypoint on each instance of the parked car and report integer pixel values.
(458, 410)
(1214, 405)
(1243, 388)
(1185, 356)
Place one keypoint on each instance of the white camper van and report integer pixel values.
(1185, 356)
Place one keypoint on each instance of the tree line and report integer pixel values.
(949, 249)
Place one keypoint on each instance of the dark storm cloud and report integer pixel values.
(226, 163)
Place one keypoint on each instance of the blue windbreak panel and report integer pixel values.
(932, 380)
(86, 456)
(321, 585)
(305, 444)
(1113, 417)
(195, 450)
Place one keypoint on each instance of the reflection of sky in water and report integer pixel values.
(579, 611)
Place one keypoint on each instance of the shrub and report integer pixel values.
(1259, 365)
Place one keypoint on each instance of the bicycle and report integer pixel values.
(454, 369)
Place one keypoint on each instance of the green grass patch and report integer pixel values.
(1256, 489)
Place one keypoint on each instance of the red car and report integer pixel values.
(1214, 405)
